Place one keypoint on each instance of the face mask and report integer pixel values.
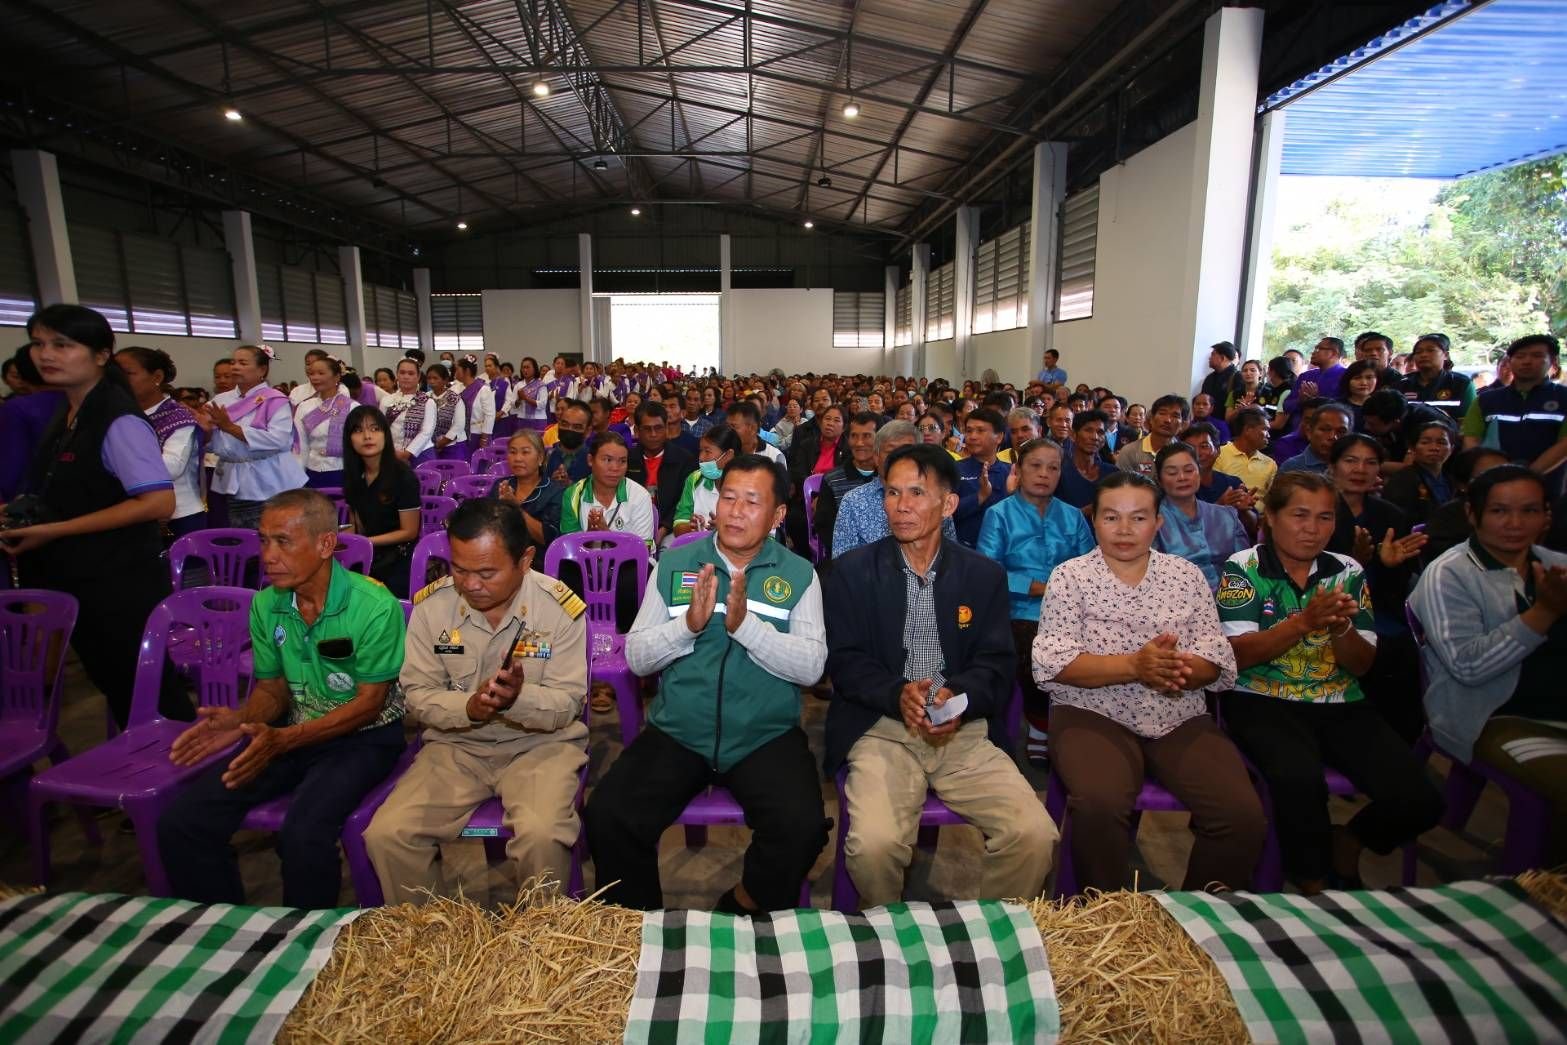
(866, 472)
(569, 439)
(770, 438)
(710, 471)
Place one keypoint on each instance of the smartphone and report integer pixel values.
(511, 647)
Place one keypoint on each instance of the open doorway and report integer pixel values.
(680, 328)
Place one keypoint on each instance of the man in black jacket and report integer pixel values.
(916, 623)
(659, 465)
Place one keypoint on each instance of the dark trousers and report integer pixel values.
(327, 781)
(244, 515)
(1393, 685)
(112, 611)
(1102, 764)
(650, 783)
(1036, 702)
(1289, 742)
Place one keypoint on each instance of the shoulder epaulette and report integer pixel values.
(430, 589)
(568, 599)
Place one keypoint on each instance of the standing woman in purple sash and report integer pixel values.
(451, 414)
(250, 430)
(531, 397)
(504, 423)
(411, 416)
(480, 407)
(150, 372)
(318, 424)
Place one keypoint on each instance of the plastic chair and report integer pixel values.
(433, 512)
(354, 552)
(229, 554)
(600, 555)
(466, 487)
(687, 538)
(431, 481)
(435, 546)
(35, 629)
(335, 495)
(809, 491)
(486, 459)
(449, 469)
(269, 816)
(132, 771)
(934, 814)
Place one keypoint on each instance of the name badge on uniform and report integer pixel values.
(449, 643)
(685, 588)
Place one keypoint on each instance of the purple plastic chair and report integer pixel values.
(431, 480)
(485, 460)
(335, 495)
(354, 552)
(132, 771)
(435, 546)
(433, 512)
(1528, 813)
(600, 555)
(35, 629)
(687, 538)
(808, 492)
(229, 553)
(449, 469)
(466, 487)
(934, 814)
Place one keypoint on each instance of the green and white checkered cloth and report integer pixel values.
(969, 971)
(80, 967)
(1469, 962)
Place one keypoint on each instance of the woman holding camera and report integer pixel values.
(99, 490)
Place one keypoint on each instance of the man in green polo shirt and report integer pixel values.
(323, 721)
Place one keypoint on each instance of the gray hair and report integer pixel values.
(533, 437)
(895, 430)
(1023, 413)
(317, 513)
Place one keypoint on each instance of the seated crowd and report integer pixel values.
(1229, 595)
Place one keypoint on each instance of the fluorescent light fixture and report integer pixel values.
(233, 114)
(850, 111)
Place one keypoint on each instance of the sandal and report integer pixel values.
(602, 699)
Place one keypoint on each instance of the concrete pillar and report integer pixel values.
(889, 289)
(1216, 226)
(728, 345)
(912, 360)
(38, 191)
(967, 220)
(426, 321)
(585, 292)
(354, 300)
(1044, 253)
(1259, 249)
(241, 247)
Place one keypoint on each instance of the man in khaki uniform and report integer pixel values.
(515, 732)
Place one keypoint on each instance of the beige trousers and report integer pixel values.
(432, 802)
(889, 772)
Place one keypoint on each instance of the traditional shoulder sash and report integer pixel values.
(445, 408)
(411, 410)
(260, 404)
(169, 417)
(334, 412)
(470, 393)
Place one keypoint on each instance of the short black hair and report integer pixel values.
(867, 417)
(1225, 349)
(1206, 428)
(932, 462)
(746, 409)
(575, 404)
(742, 463)
(1117, 479)
(1247, 417)
(997, 423)
(1171, 449)
(607, 438)
(1345, 443)
(477, 516)
(1166, 401)
(1086, 417)
(1336, 342)
(1552, 346)
(648, 408)
(1461, 467)
(1385, 404)
(1480, 489)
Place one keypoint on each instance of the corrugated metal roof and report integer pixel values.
(1464, 88)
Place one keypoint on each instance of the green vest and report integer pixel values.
(716, 700)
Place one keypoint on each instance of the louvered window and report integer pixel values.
(391, 318)
(299, 304)
(1001, 282)
(1079, 248)
(939, 302)
(152, 286)
(902, 328)
(859, 319)
(209, 292)
(457, 321)
(18, 287)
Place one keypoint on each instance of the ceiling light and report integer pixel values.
(636, 212)
(233, 114)
(850, 111)
(461, 226)
(541, 89)
(809, 223)
(824, 182)
(601, 165)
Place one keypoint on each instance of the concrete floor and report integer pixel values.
(691, 877)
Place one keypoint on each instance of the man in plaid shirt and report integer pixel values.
(917, 622)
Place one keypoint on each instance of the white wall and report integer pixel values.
(193, 356)
(792, 330)
(941, 361)
(537, 323)
(1006, 352)
(1131, 342)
